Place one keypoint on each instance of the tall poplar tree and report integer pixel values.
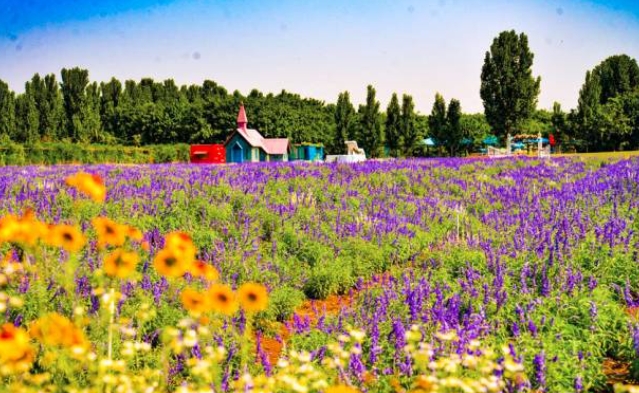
(344, 121)
(392, 127)
(27, 116)
(50, 107)
(437, 122)
(408, 130)
(508, 89)
(370, 132)
(453, 123)
(74, 84)
(7, 110)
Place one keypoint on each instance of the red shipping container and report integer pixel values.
(208, 154)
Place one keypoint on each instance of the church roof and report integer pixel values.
(269, 145)
(241, 116)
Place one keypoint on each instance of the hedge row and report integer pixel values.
(65, 153)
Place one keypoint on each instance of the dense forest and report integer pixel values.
(73, 109)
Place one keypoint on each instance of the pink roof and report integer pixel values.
(270, 146)
(275, 145)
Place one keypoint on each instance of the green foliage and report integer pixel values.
(370, 128)
(344, 122)
(409, 135)
(7, 110)
(437, 124)
(74, 84)
(282, 303)
(606, 118)
(392, 126)
(508, 89)
(326, 280)
(59, 153)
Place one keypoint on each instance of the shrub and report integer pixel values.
(321, 283)
(282, 303)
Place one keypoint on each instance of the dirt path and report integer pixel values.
(314, 310)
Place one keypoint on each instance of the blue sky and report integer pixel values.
(318, 47)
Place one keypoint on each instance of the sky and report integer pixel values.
(316, 48)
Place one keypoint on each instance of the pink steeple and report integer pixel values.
(241, 118)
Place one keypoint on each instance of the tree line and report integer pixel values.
(149, 112)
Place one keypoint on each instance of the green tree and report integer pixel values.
(344, 121)
(51, 109)
(27, 116)
(408, 130)
(392, 126)
(90, 115)
(453, 124)
(74, 84)
(110, 98)
(370, 127)
(7, 110)
(508, 89)
(559, 123)
(437, 123)
(475, 128)
(616, 75)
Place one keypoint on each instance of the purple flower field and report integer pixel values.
(535, 260)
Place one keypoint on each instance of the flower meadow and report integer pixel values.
(443, 275)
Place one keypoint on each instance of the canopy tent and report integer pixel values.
(428, 142)
(535, 140)
(490, 140)
(529, 138)
(466, 142)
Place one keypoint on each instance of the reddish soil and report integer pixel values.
(633, 312)
(314, 309)
(617, 372)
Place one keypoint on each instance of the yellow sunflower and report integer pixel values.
(9, 226)
(120, 263)
(182, 243)
(89, 184)
(194, 301)
(16, 353)
(171, 263)
(14, 342)
(57, 330)
(222, 299)
(253, 297)
(109, 232)
(203, 270)
(68, 237)
(341, 389)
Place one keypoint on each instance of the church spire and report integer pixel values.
(242, 121)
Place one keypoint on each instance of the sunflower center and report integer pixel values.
(170, 261)
(222, 297)
(109, 230)
(252, 297)
(67, 237)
